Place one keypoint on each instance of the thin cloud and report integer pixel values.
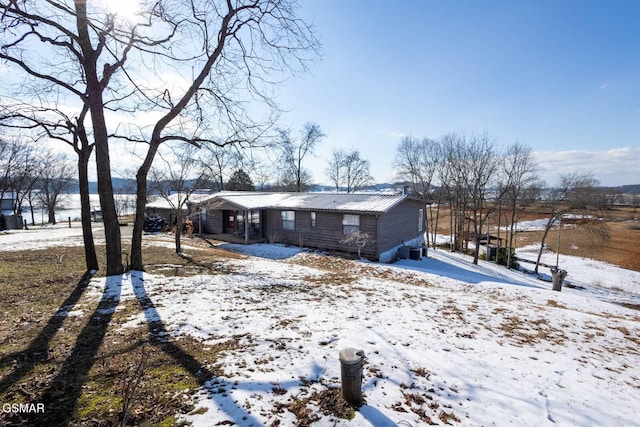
(613, 167)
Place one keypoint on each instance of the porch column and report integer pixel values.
(246, 227)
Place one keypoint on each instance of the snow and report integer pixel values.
(441, 336)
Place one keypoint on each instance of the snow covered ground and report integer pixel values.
(445, 341)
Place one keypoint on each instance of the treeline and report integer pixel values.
(33, 177)
(476, 186)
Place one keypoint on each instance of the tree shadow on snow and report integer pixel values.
(38, 349)
(460, 270)
(63, 392)
(159, 337)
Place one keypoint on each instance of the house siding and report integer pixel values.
(326, 235)
(214, 223)
(387, 229)
(399, 224)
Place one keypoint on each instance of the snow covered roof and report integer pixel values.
(365, 203)
(173, 200)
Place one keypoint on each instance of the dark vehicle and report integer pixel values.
(154, 224)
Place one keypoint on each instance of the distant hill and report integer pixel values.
(630, 189)
(121, 185)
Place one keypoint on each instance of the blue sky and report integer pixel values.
(562, 77)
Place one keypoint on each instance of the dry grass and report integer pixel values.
(622, 249)
(80, 365)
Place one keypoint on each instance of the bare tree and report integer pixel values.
(482, 165)
(453, 175)
(574, 192)
(53, 124)
(219, 54)
(72, 53)
(56, 176)
(220, 162)
(178, 177)
(293, 153)
(262, 173)
(416, 162)
(242, 44)
(358, 240)
(518, 167)
(334, 168)
(9, 159)
(348, 170)
(19, 166)
(468, 171)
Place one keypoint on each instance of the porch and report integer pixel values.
(234, 238)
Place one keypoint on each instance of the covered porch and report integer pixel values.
(231, 222)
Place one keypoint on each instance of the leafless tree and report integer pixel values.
(19, 165)
(242, 44)
(71, 52)
(53, 124)
(346, 169)
(453, 175)
(468, 172)
(220, 162)
(218, 55)
(334, 168)
(518, 168)
(575, 191)
(483, 162)
(262, 173)
(178, 177)
(293, 152)
(358, 240)
(56, 176)
(416, 162)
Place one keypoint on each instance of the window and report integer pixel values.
(350, 224)
(420, 219)
(313, 220)
(288, 220)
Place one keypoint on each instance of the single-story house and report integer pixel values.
(317, 220)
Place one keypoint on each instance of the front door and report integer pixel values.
(230, 222)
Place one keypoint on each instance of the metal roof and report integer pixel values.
(364, 202)
(172, 201)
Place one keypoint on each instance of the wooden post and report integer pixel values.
(246, 227)
(557, 276)
(351, 361)
(69, 222)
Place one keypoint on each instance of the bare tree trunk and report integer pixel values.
(512, 227)
(498, 233)
(179, 231)
(141, 199)
(107, 203)
(103, 162)
(477, 231)
(52, 215)
(544, 237)
(91, 258)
